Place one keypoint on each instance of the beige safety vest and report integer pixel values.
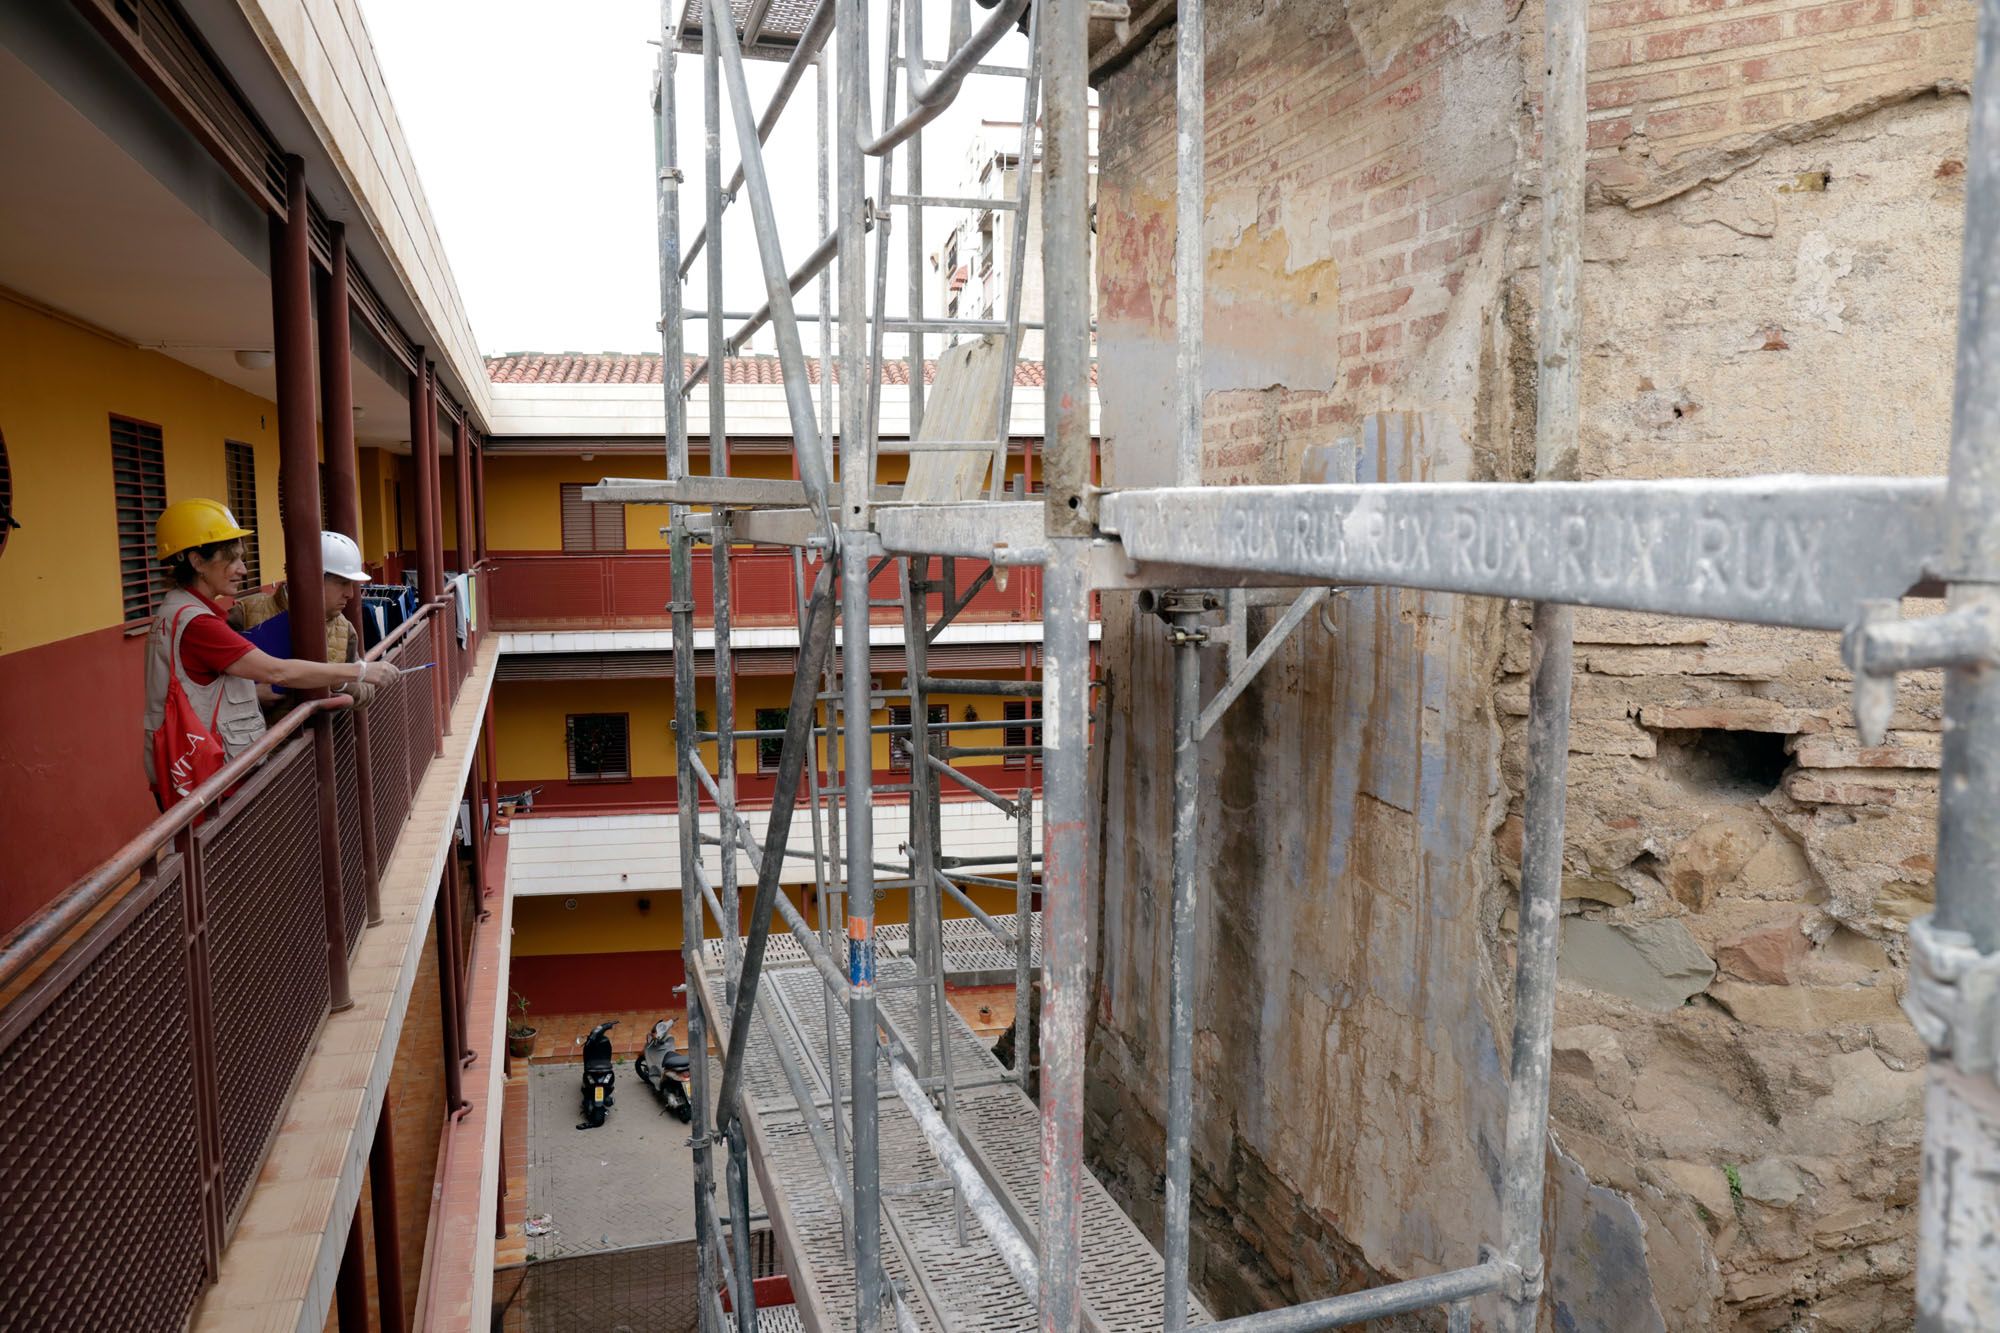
(231, 700)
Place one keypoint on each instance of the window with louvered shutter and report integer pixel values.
(241, 466)
(1018, 711)
(770, 749)
(590, 527)
(899, 742)
(599, 747)
(139, 482)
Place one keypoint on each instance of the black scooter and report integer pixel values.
(597, 1075)
(665, 1071)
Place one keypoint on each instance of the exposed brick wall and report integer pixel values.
(1680, 87)
(1347, 203)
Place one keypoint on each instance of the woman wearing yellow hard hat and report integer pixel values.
(192, 645)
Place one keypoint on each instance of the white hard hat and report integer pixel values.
(340, 557)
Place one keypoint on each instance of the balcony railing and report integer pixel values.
(154, 1018)
(628, 590)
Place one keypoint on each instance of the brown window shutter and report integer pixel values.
(587, 526)
(241, 461)
(139, 482)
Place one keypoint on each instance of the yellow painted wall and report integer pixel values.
(532, 741)
(378, 472)
(613, 923)
(59, 387)
(529, 719)
(524, 495)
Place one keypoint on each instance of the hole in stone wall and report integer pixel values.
(1648, 864)
(1751, 763)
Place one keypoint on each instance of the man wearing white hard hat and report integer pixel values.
(340, 559)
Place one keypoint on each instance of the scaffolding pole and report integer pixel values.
(1955, 952)
(681, 546)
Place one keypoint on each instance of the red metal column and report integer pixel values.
(388, 1238)
(430, 526)
(461, 468)
(298, 484)
(479, 496)
(343, 508)
(423, 456)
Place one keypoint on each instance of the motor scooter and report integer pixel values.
(665, 1070)
(597, 1075)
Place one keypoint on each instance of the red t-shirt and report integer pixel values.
(208, 645)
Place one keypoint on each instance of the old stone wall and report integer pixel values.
(1770, 285)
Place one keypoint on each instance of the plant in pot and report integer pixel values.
(520, 1034)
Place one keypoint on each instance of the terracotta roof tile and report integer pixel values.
(644, 368)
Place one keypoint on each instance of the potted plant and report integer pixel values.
(520, 1034)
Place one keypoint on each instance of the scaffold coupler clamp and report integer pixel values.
(1953, 999)
(1178, 608)
(1881, 643)
(1518, 1286)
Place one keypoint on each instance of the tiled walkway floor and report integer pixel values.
(628, 1182)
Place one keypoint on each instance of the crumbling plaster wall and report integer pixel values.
(1769, 285)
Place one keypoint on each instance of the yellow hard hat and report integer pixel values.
(189, 523)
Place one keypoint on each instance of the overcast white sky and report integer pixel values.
(531, 126)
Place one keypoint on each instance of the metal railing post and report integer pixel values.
(339, 994)
(201, 1026)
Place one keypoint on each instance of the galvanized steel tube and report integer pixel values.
(1556, 432)
(1958, 1220)
(986, 1209)
(1421, 1293)
(1180, 984)
(856, 469)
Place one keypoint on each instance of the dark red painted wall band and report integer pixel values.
(579, 983)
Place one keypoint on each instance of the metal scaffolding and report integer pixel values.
(1775, 551)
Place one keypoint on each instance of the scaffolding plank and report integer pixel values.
(964, 403)
(970, 530)
(1801, 551)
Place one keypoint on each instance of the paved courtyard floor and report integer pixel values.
(629, 1182)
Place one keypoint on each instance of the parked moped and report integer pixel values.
(597, 1075)
(665, 1070)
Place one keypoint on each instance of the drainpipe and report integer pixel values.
(298, 483)
(447, 950)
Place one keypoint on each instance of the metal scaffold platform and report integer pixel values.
(943, 1266)
(915, 1183)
